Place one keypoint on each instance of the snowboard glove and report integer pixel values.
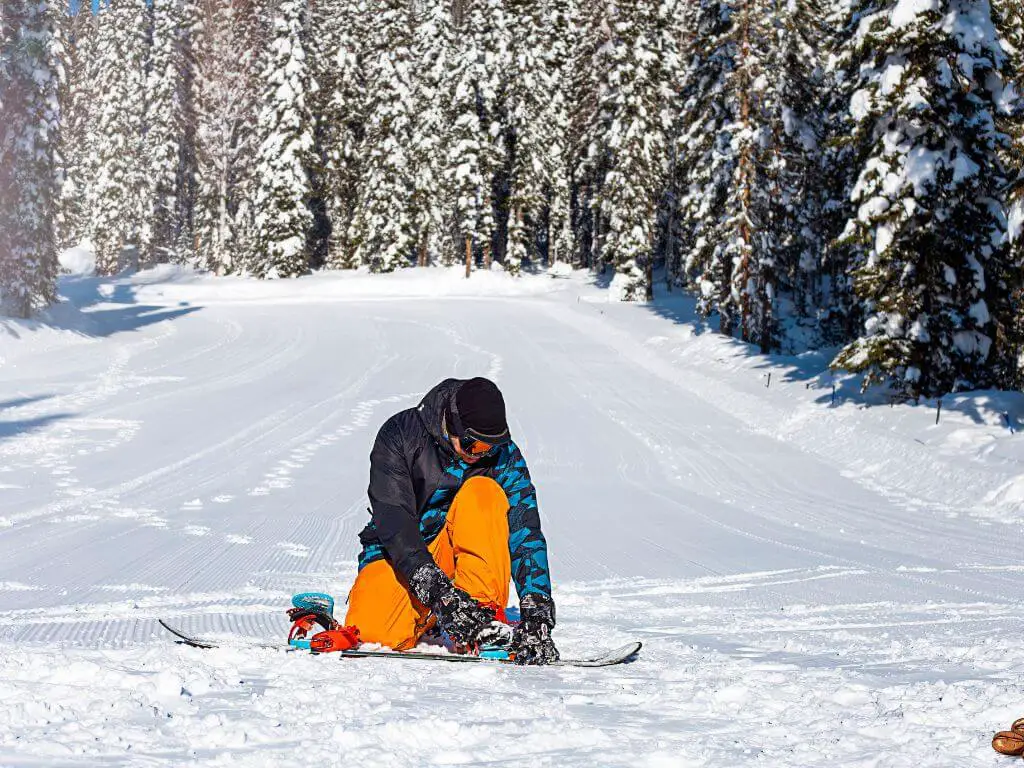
(464, 620)
(531, 641)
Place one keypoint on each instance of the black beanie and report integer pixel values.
(481, 407)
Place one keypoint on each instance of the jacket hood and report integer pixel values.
(432, 408)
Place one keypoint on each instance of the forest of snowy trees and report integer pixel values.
(848, 169)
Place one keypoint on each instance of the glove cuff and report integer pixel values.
(537, 608)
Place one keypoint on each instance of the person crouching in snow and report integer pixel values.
(453, 517)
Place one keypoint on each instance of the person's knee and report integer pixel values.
(485, 492)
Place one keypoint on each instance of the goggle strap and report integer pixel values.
(501, 439)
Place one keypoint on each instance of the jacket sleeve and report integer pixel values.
(393, 502)
(526, 543)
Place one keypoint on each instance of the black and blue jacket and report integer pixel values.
(414, 476)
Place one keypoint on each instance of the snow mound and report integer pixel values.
(561, 269)
(79, 261)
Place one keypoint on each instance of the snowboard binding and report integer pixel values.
(312, 609)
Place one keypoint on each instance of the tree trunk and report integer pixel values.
(469, 255)
(649, 273)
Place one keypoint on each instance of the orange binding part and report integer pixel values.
(304, 621)
(331, 640)
(301, 627)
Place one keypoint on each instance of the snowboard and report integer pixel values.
(603, 658)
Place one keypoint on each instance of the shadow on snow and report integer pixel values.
(79, 311)
(19, 402)
(9, 429)
(811, 368)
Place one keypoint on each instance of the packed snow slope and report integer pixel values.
(816, 582)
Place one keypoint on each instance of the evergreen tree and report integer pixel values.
(77, 107)
(7, 32)
(927, 236)
(706, 158)
(743, 267)
(667, 232)
(842, 157)
(117, 194)
(558, 41)
(1010, 15)
(1010, 320)
(636, 144)
(281, 214)
(430, 199)
(226, 96)
(170, 130)
(524, 130)
(589, 127)
(742, 157)
(467, 162)
(339, 113)
(382, 229)
(492, 30)
(766, 237)
(794, 125)
(30, 55)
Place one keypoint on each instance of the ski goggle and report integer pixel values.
(478, 448)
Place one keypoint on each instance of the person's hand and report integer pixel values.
(464, 620)
(531, 640)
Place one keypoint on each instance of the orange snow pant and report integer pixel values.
(472, 550)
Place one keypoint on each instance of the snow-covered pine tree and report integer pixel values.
(589, 127)
(842, 157)
(117, 195)
(382, 229)
(170, 130)
(1009, 315)
(492, 29)
(524, 102)
(744, 266)
(1010, 20)
(794, 121)
(766, 231)
(78, 110)
(339, 113)
(928, 234)
(466, 162)
(706, 159)
(678, 36)
(281, 213)
(559, 40)
(636, 145)
(735, 208)
(433, 47)
(227, 96)
(6, 100)
(30, 55)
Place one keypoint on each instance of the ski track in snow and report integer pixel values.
(810, 588)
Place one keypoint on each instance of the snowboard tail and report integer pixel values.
(602, 658)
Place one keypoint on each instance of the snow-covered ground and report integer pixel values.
(816, 583)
